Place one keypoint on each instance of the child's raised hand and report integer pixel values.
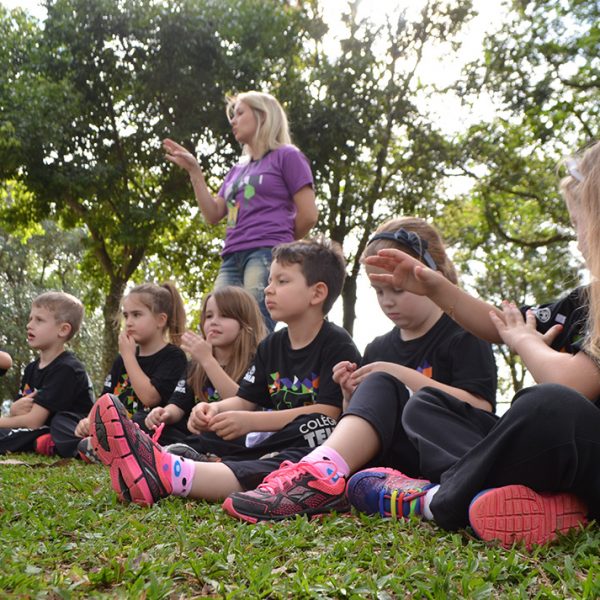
(196, 346)
(83, 428)
(127, 345)
(201, 417)
(516, 331)
(179, 156)
(403, 271)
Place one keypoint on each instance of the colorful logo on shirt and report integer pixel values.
(26, 391)
(426, 369)
(211, 394)
(124, 391)
(287, 393)
(248, 183)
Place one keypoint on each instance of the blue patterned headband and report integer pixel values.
(411, 240)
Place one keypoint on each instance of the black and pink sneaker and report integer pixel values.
(140, 470)
(294, 489)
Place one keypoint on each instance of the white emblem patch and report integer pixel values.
(543, 314)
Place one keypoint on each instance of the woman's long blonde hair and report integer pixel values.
(234, 303)
(581, 190)
(272, 124)
(426, 232)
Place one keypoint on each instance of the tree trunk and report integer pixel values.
(110, 313)
(349, 302)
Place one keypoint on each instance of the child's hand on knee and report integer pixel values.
(83, 428)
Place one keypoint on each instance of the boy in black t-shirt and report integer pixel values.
(291, 375)
(56, 381)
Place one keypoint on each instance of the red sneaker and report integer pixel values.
(45, 445)
(515, 513)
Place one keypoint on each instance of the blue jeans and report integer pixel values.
(248, 269)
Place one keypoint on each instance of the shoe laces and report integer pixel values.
(288, 472)
(157, 432)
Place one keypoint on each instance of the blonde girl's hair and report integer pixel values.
(164, 298)
(234, 303)
(272, 124)
(581, 191)
(434, 245)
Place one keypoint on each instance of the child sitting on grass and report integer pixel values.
(536, 473)
(145, 372)
(53, 383)
(426, 353)
(291, 374)
(231, 326)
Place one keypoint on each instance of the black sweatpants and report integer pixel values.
(293, 442)
(549, 440)
(421, 435)
(20, 439)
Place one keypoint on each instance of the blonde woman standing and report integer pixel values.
(268, 197)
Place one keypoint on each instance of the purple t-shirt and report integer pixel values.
(260, 199)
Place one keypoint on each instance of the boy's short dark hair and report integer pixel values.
(64, 307)
(320, 260)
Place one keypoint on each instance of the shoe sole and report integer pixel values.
(516, 513)
(229, 508)
(129, 479)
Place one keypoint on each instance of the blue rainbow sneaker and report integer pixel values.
(294, 489)
(140, 470)
(387, 492)
(516, 514)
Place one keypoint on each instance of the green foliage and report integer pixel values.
(83, 544)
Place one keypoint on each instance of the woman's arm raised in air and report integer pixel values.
(213, 208)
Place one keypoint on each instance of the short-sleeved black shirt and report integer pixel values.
(570, 311)
(183, 395)
(446, 353)
(63, 385)
(163, 368)
(282, 377)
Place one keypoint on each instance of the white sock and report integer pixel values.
(427, 514)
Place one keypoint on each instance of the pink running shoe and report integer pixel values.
(387, 492)
(45, 445)
(294, 489)
(515, 513)
(139, 469)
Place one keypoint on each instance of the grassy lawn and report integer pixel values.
(64, 535)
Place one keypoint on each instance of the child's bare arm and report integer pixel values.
(35, 418)
(235, 423)
(5, 361)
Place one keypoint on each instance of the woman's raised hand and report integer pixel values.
(181, 157)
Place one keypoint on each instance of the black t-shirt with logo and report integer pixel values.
(183, 395)
(163, 368)
(446, 353)
(62, 386)
(570, 311)
(282, 377)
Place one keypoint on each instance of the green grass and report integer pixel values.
(64, 535)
